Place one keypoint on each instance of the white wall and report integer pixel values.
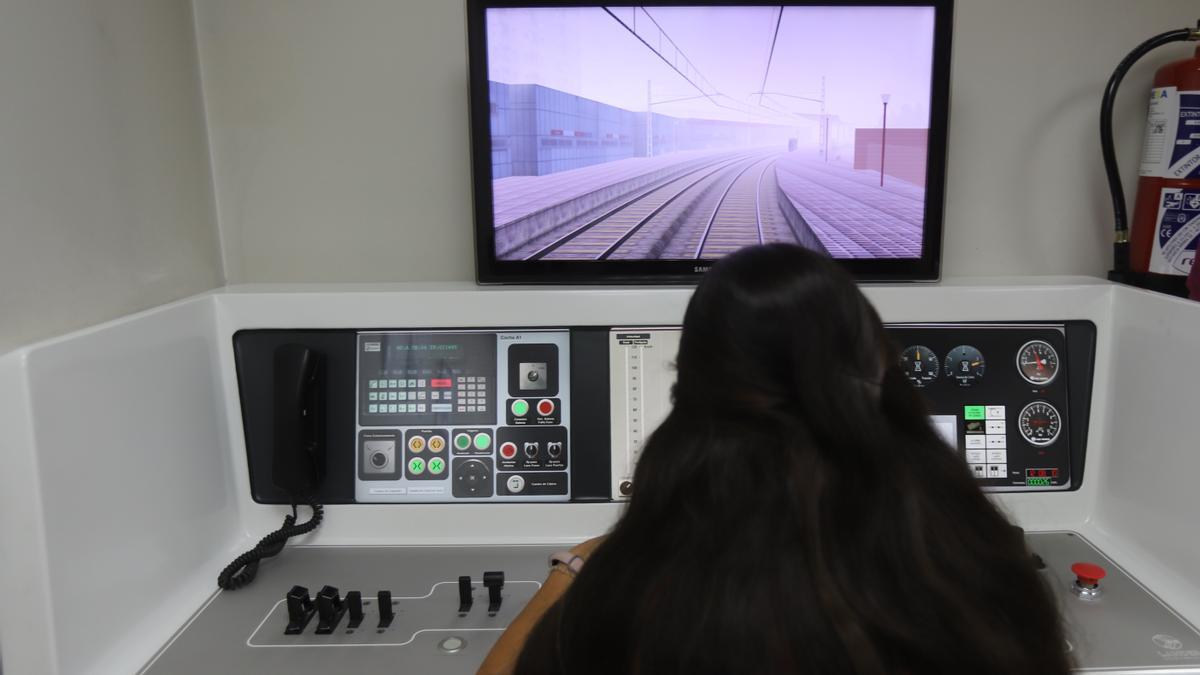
(105, 185)
(340, 135)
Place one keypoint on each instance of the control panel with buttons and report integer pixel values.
(563, 414)
(445, 416)
(1001, 395)
(1010, 398)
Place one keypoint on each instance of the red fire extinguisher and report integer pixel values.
(1161, 250)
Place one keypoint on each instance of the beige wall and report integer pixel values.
(339, 134)
(105, 185)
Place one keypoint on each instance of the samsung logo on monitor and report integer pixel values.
(700, 269)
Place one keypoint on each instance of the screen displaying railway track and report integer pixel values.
(686, 133)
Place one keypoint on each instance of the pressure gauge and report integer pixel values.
(1037, 362)
(920, 365)
(1039, 423)
(966, 365)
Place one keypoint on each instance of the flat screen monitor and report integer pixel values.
(640, 143)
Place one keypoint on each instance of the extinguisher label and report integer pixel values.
(1172, 144)
(1174, 249)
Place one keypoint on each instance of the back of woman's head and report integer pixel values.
(797, 513)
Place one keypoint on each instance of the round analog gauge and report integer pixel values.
(920, 365)
(1039, 423)
(1037, 362)
(965, 364)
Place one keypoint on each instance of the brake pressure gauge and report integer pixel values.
(1037, 362)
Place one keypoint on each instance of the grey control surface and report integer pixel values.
(1125, 629)
(243, 631)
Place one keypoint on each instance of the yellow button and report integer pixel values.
(437, 443)
(416, 443)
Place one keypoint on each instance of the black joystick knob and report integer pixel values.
(330, 609)
(354, 606)
(384, 599)
(493, 581)
(300, 610)
(465, 599)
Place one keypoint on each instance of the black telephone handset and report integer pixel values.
(298, 464)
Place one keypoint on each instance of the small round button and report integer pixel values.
(462, 441)
(379, 460)
(1088, 574)
(452, 644)
(416, 466)
(437, 466)
(508, 450)
(520, 407)
(515, 483)
(545, 407)
(416, 443)
(437, 443)
(483, 441)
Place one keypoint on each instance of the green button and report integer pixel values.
(416, 465)
(436, 466)
(462, 441)
(974, 412)
(482, 441)
(520, 407)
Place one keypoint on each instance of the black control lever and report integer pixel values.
(354, 606)
(330, 609)
(493, 581)
(384, 599)
(465, 598)
(300, 610)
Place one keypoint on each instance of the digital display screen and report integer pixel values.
(677, 133)
(947, 428)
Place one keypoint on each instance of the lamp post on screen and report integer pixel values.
(883, 140)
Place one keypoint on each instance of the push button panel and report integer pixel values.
(532, 449)
(483, 400)
(533, 412)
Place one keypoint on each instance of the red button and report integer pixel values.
(508, 450)
(545, 407)
(1087, 574)
(440, 384)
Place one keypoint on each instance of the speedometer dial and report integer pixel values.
(1039, 423)
(1037, 362)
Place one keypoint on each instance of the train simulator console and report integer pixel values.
(473, 418)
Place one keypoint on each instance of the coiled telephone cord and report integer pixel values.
(244, 567)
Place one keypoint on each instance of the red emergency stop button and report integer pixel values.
(1088, 574)
(508, 450)
(545, 407)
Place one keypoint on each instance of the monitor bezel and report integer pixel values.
(491, 270)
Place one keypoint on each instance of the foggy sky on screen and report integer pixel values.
(861, 51)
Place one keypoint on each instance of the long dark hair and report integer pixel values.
(796, 512)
